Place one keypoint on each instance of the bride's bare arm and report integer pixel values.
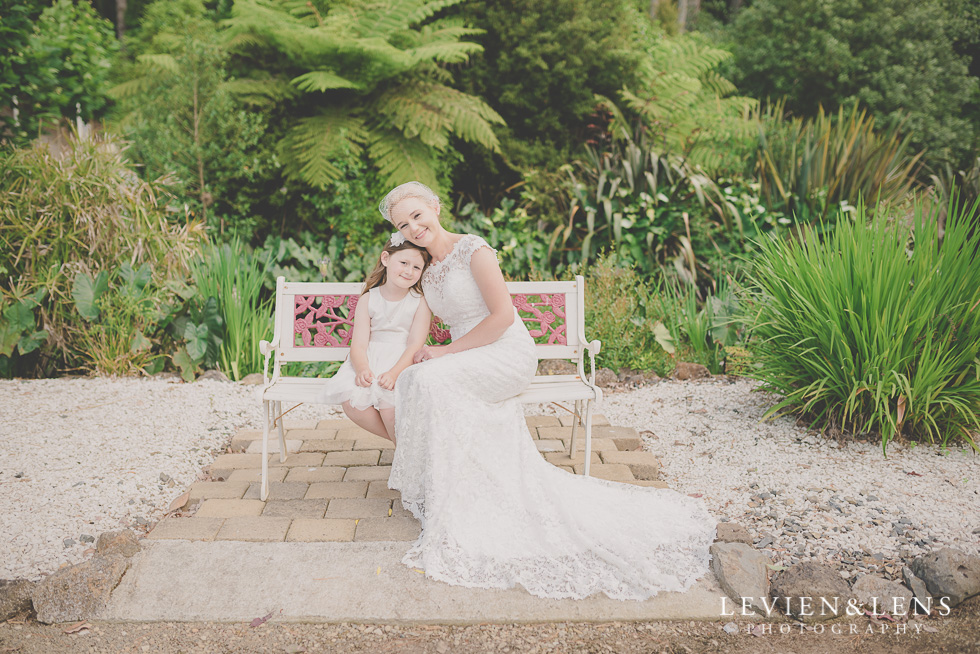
(486, 272)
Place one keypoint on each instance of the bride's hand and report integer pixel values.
(429, 352)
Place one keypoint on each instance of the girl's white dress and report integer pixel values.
(494, 513)
(390, 326)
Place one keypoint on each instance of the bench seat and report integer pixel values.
(314, 320)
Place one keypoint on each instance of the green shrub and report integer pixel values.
(60, 69)
(898, 58)
(875, 328)
(83, 211)
(174, 105)
(650, 208)
(122, 313)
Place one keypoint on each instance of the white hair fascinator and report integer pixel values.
(397, 239)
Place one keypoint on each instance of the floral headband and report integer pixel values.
(397, 239)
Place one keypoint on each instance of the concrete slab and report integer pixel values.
(366, 582)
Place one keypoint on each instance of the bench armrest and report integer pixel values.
(592, 348)
(266, 349)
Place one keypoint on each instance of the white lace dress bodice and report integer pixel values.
(494, 513)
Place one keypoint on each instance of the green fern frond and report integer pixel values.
(386, 19)
(428, 9)
(715, 83)
(131, 88)
(323, 80)
(432, 112)
(159, 62)
(310, 148)
(399, 159)
(445, 52)
(242, 41)
(264, 93)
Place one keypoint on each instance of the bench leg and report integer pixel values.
(266, 411)
(577, 419)
(282, 433)
(588, 436)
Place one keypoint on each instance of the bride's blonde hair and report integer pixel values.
(408, 190)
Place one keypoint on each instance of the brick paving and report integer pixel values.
(333, 484)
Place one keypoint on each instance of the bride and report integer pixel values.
(494, 513)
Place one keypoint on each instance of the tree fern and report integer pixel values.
(689, 106)
(364, 74)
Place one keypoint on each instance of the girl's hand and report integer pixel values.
(386, 380)
(429, 352)
(364, 378)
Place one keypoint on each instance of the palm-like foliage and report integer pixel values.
(811, 166)
(360, 79)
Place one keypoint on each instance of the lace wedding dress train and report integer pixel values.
(494, 513)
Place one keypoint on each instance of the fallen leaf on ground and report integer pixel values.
(694, 494)
(179, 502)
(931, 630)
(77, 627)
(913, 473)
(758, 630)
(258, 622)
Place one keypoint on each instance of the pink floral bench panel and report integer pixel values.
(327, 320)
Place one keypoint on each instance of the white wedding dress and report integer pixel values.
(494, 513)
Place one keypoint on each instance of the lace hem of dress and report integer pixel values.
(567, 576)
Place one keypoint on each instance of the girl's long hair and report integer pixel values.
(379, 275)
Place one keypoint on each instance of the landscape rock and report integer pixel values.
(605, 377)
(742, 572)
(732, 532)
(122, 542)
(556, 367)
(949, 573)
(917, 586)
(685, 371)
(252, 380)
(881, 595)
(15, 597)
(214, 375)
(80, 591)
(814, 589)
(628, 376)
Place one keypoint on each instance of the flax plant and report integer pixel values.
(875, 328)
(234, 279)
(811, 166)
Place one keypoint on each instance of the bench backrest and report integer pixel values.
(313, 320)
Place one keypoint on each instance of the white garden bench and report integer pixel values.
(313, 322)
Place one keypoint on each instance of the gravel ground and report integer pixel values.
(960, 634)
(83, 456)
(801, 495)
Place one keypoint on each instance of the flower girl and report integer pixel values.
(391, 322)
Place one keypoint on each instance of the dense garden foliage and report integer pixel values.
(798, 209)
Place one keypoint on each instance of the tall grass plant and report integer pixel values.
(235, 279)
(874, 328)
